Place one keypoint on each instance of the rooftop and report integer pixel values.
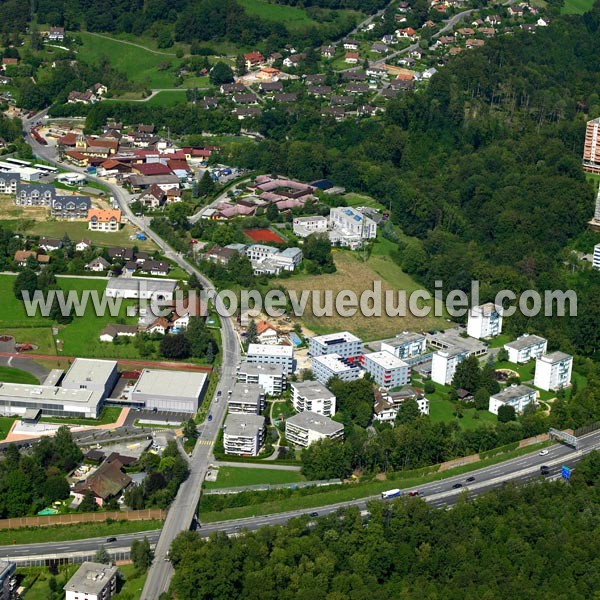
(315, 422)
(261, 369)
(48, 393)
(311, 390)
(386, 360)
(453, 337)
(336, 338)
(487, 309)
(246, 392)
(243, 425)
(513, 392)
(146, 283)
(90, 578)
(334, 362)
(555, 357)
(525, 341)
(406, 337)
(270, 350)
(89, 369)
(179, 384)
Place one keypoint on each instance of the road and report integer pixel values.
(182, 512)
(438, 494)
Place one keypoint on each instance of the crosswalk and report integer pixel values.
(205, 442)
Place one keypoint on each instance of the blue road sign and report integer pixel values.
(565, 472)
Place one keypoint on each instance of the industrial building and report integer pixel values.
(243, 435)
(344, 343)
(90, 374)
(307, 427)
(179, 391)
(314, 397)
(271, 378)
(246, 398)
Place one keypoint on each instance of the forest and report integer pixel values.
(538, 541)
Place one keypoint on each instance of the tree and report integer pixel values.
(482, 399)
(317, 248)
(189, 429)
(26, 281)
(220, 73)
(102, 556)
(272, 213)
(467, 374)
(175, 346)
(240, 65)
(206, 185)
(199, 337)
(141, 554)
(251, 333)
(88, 503)
(66, 449)
(429, 387)
(408, 412)
(506, 413)
(502, 355)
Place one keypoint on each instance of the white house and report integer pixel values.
(444, 362)
(271, 378)
(313, 396)
(485, 321)
(517, 396)
(257, 252)
(344, 344)
(307, 427)
(112, 331)
(305, 226)
(98, 265)
(553, 371)
(83, 245)
(526, 347)
(272, 354)
(243, 434)
(349, 224)
(387, 370)
(92, 581)
(406, 345)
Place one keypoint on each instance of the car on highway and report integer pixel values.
(313, 514)
(456, 486)
(544, 452)
(413, 493)
(545, 470)
(469, 479)
(111, 539)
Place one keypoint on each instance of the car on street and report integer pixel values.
(543, 452)
(456, 486)
(218, 392)
(469, 479)
(111, 539)
(313, 514)
(210, 417)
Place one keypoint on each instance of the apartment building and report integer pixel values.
(591, 147)
(387, 370)
(405, 345)
(8, 183)
(333, 365)
(307, 427)
(258, 252)
(526, 347)
(344, 344)
(444, 362)
(272, 354)
(485, 321)
(313, 396)
(272, 378)
(517, 396)
(246, 398)
(92, 581)
(596, 255)
(305, 226)
(349, 227)
(553, 371)
(243, 434)
(104, 219)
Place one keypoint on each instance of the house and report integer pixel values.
(159, 325)
(56, 34)
(266, 333)
(526, 347)
(493, 20)
(356, 88)
(153, 197)
(92, 581)
(9, 183)
(387, 404)
(269, 87)
(516, 11)
(286, 97)
(112, 331)
(87, 97)
(21, 257)
(389, 39)
(305, 226)
(253, 59)
(464, 32)
(475, 43)
(98, 265)
(307, 427)
(245, 99)
(316, 79)
(293, 61)
(407, 32)
(184, 311)
(485, 321)
(34, 195)
(352, 58)
(156, 267)
(351, 45)
(104, 219)
(120, 253)
(232, 88)
(83, 245)
(379, 48)
(517, 396)
(107, 482)
(553, 371)
(328, 51)
(245, 112)
(319, 90)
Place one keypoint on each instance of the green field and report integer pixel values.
(12, 375)
(239, 476)
(290, 15)
(577, 7)
(39, 336)
(168, 98)
(132, 585)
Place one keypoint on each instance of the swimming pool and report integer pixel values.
(47, 511)
(295, 339)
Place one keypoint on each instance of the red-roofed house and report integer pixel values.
(153, 197)
(253, 59)
(352, 58)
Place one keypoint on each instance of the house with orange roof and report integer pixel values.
(266, 333)
(352, 58)
(104, 220)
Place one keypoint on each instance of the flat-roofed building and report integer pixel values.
(553, 371)
(344, 344)
(387, 370)
(405, 345)
(92, 374)
(444, 362)
(271, 378)
(305, 226)
(517, 396)
(246, 398)
(526, 347)
(485, 321)
(179, 391)
(313, 396)
(307, 427)
(333, 365)
(243, 434)
(142, 288)
(92, 581)
(272, 354)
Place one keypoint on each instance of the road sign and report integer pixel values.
(565, 472)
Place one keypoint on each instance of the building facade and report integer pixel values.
(92, 581)
(246, 398)
(526, 347)
(517, 396)
(243, 434)
(272, 378)
(333, 365)
(485, 321)
(387, 370)
(313, 396)
(272, 354)
(307, 427)
(591, 147)
(444, 362)
(305, 226)
(406, 345)
(344, 344)
(553, 371)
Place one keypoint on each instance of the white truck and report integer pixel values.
(391, 494)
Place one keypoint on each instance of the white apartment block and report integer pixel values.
(406, 345)
(307, 427)
(444, 362)
(271, 378)
(246, 398)
(305, 226)
(344, 344)
(243, 435)
(553, 371)
(485, 321)
(258, 252)
(333, 365)
(272, 354)
(314, 397)
(352, 222)
(9, 183)
(596, 255)
(526, 347)
(387, 370)
(517, 396)
(92, 581)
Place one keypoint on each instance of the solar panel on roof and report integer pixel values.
(357, 217)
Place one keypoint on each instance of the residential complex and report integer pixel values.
(104, 219)
(92, 581)
(405, 345)
(444, 362)
(272, 354)
(312, 396)
(272, 378)
(387, 370)
(553, 371)
(526, 347)
(591, 147)
(332, 365)
(517, 396)
(246, 398)
(243, 434)
(485, 321)
(307, 427)
(344, 344)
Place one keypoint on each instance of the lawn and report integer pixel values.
(577, 7)
(353, 273)
(36, 581)
(109, 414)
(168, 98)
(239, 476)
(38, 336)
(5, 425)
(9, 210)
(132, 583)
(290, 15)
(12, 375)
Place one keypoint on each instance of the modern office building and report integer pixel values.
(246, 398)
(517, 396)
(179, 391)
(92, 581)
(553, 371)
(314, 397)
(272, 378)
(405, 345)
(485, 321)
(444, 362)
(307, 427)
(91, 374)
(387, 370)
(332, 365)
(272, 354)
(526, 347)
(344, 344)
(591, 147)
(243, 435)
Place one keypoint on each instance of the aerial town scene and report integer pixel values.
(299, 299)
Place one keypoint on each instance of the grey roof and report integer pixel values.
(312, 390)
(291, 252)
(50, 394)
(246, 392)
(452, 337)
(554, 357)
(89, 369)
(261, 369)
(525, 341)
(179, 384)
(243, 425)
(151, 285)
(315, 422)
(91, 578)
(406, 337)
(513, 392)
(140, 180)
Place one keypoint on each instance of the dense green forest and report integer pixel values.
(540, 541)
